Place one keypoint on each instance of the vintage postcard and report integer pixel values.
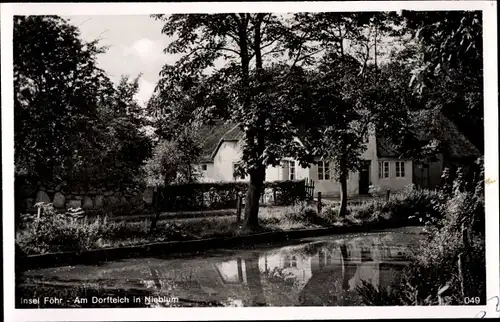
(272, 160)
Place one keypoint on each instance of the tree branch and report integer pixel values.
(298, 59)
(273, 52)
(229, 50)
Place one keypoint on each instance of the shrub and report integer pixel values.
(303, 212)
(222, 195)
(409, 206)
(54, 231)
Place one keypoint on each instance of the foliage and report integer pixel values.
(410, 206)
(55, 231)
(128, 147)
(449, 38)
(173, 161)
(349, 97)
(223, 195)
(58, 87)
(71, 123)
(246, 45)
(449, 69)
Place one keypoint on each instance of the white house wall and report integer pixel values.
(273, 173)
(393, 183)
(331, 187)
(207, 175)
(227, 154)
(230, 152)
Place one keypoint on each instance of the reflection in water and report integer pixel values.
(254, 281)
(318, 273)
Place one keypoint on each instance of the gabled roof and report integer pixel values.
(432, 125)
(214, 134)
(455, 143)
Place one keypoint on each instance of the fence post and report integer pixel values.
(388, 196)
(319, 202)
(239, 204)
(39, 212)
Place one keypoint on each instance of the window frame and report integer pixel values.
(204, 167)
(324, 174)
(382, 174)
(400, 169)
(292, 175)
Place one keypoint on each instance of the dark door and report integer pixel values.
(364, 178)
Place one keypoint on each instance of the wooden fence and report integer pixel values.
(309, 186)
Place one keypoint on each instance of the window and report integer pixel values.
(204, 167)
(292, 170)
(323, 170)
(383, 169)
(400, 169)
(288, 170)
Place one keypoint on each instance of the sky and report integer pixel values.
(135, 46)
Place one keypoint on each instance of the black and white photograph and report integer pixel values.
(209, 158)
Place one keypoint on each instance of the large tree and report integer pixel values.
(349, 96)
(57, 89)
(246, 45)
(71, 122)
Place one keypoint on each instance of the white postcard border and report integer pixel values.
(491, 164)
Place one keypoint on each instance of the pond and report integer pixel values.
(323, 271)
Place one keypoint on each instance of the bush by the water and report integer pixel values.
(53, 231)
(458, 233)
(410, 206)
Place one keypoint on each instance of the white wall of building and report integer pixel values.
(229, 153)
(393, 182)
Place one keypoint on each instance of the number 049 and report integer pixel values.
(472, 300)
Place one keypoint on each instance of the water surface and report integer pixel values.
(321, 271)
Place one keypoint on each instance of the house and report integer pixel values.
(455, 150)
(222, 152)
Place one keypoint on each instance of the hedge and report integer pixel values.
(223, 195)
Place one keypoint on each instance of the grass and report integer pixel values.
(54, 232)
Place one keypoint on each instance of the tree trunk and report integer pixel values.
(253, 197)
(258, 174)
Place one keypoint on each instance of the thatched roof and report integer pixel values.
(213, 135)
(430, 126)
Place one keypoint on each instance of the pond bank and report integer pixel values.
(190, 246)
